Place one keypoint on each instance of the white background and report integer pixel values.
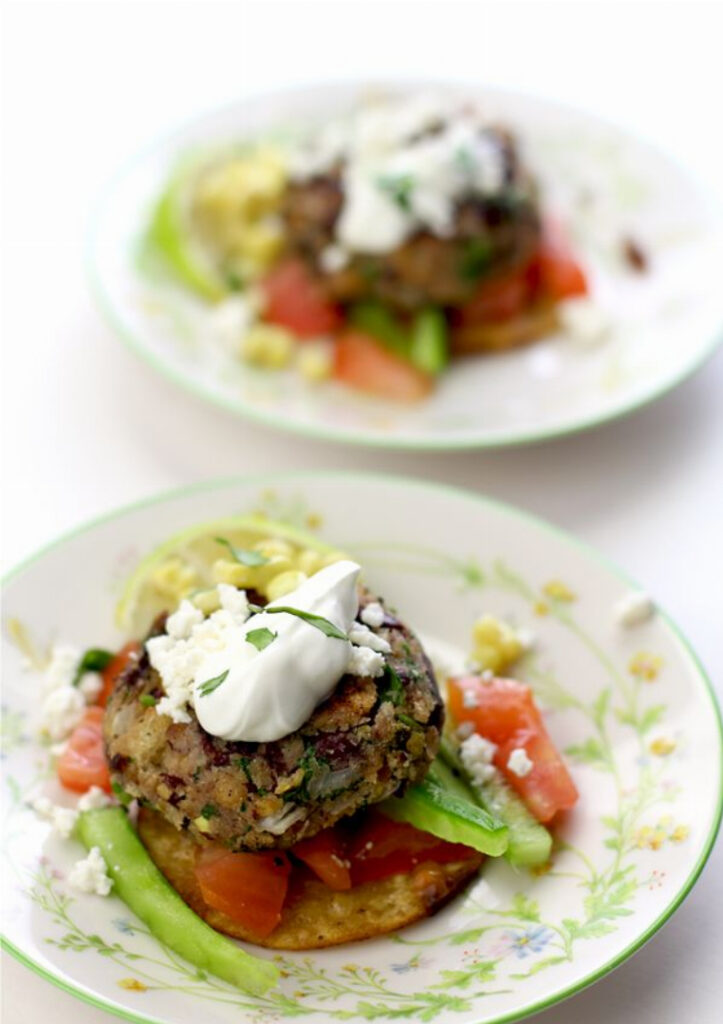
(87, 427)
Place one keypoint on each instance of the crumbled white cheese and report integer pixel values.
(280, 822)
(476, 753)
(333, 258)
(373, 615)
(234, 601)
(90, 686)
(487, 676)
(61, 711)
(93, 799)
(469, 698)
(180, 624)
(583, 321)
(365, 662)
(63, 665)
(464, 729)
(62, 819)
(229, 321)
(519, 763)
(634, 609)
(363, 637)
(177, 658)
(90, 874)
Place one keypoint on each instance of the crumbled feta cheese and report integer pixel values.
(634, 609)
(365, 662)
(64, 661)
(62, 819)
(61, 711)
(234, 601)
(487, 676)
(476, 753)
(90, 686)
(180, 624)
(373, 615)
(469, 698)
(519, 763)
(333, 258)
(363, 637)
(91, 875)
(583, 321)
(58, 749)
(229, 320)
(464, 729)
(93, 799)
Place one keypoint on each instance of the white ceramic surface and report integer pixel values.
(631, 707)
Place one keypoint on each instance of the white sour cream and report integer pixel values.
(270, 693)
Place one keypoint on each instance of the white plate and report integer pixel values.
(632, 707)
(603, 183)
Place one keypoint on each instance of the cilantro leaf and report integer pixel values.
(95, 659)
(260, 638)
(318, 621)
(212, 684)
(243, 556)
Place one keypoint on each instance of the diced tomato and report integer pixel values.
(383, 847)
(499, 298)
(325, 854)
(249, 887)
(294, 299)
(125, 656)
(83, 763)
(504, 711)
(363, 363)
(560, 275)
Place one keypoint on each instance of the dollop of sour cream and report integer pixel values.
(263, 688)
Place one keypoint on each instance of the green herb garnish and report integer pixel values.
(95, 659)
(243, 556)
(212, 684)
(394, 688)
(209, 811)
(260, 638)
(147, 700)
(317, 621)
(399, 187)
(475, 258)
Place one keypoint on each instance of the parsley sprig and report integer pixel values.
(243, 556)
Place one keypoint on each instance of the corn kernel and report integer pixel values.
(268, 346)
(206, 601)
(310, 561)
(495, 645)
(225, 571)
(174, 578)
(315, 361)
(284, 583)
(260, 244)
(275, 546)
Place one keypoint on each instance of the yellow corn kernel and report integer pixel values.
(495, 645)
(275, 547)
(173, 578)
(284, 583)
(315, 361)
(310, 561)
(225, 571)
(206, 601)
(261, 244)
(247, 186)
(268, 346)
(203, 825)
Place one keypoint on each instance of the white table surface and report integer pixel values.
(87, 427)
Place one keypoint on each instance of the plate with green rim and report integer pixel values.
(631, 707)
(604, 184)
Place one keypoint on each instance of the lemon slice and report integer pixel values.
(183, 565)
